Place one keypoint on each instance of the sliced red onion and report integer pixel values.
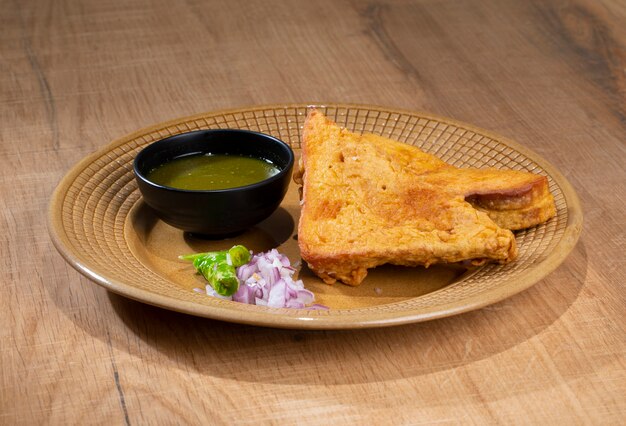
(278, 295)
(305, 296)
(211, 292)
(293, 303)
(267, 280)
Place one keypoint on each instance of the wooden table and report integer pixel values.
(76, 75)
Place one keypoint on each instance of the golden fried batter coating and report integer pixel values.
(368, 200)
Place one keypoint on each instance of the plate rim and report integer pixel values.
(569, 238)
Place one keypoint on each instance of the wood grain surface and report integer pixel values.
(76, 75)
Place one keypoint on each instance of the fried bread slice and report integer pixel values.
(513, 199)
(368, 200)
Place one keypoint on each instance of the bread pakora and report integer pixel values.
(368, 200)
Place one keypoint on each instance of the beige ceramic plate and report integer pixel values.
(100, 225)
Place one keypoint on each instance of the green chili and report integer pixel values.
(219, 267)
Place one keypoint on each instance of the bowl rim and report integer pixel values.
(278, 176)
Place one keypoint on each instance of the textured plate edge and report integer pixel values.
(567, 242)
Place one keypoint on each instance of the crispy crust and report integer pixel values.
(368, 200)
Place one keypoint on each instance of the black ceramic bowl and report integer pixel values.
(223, 212)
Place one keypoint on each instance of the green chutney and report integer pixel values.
(208, 171)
